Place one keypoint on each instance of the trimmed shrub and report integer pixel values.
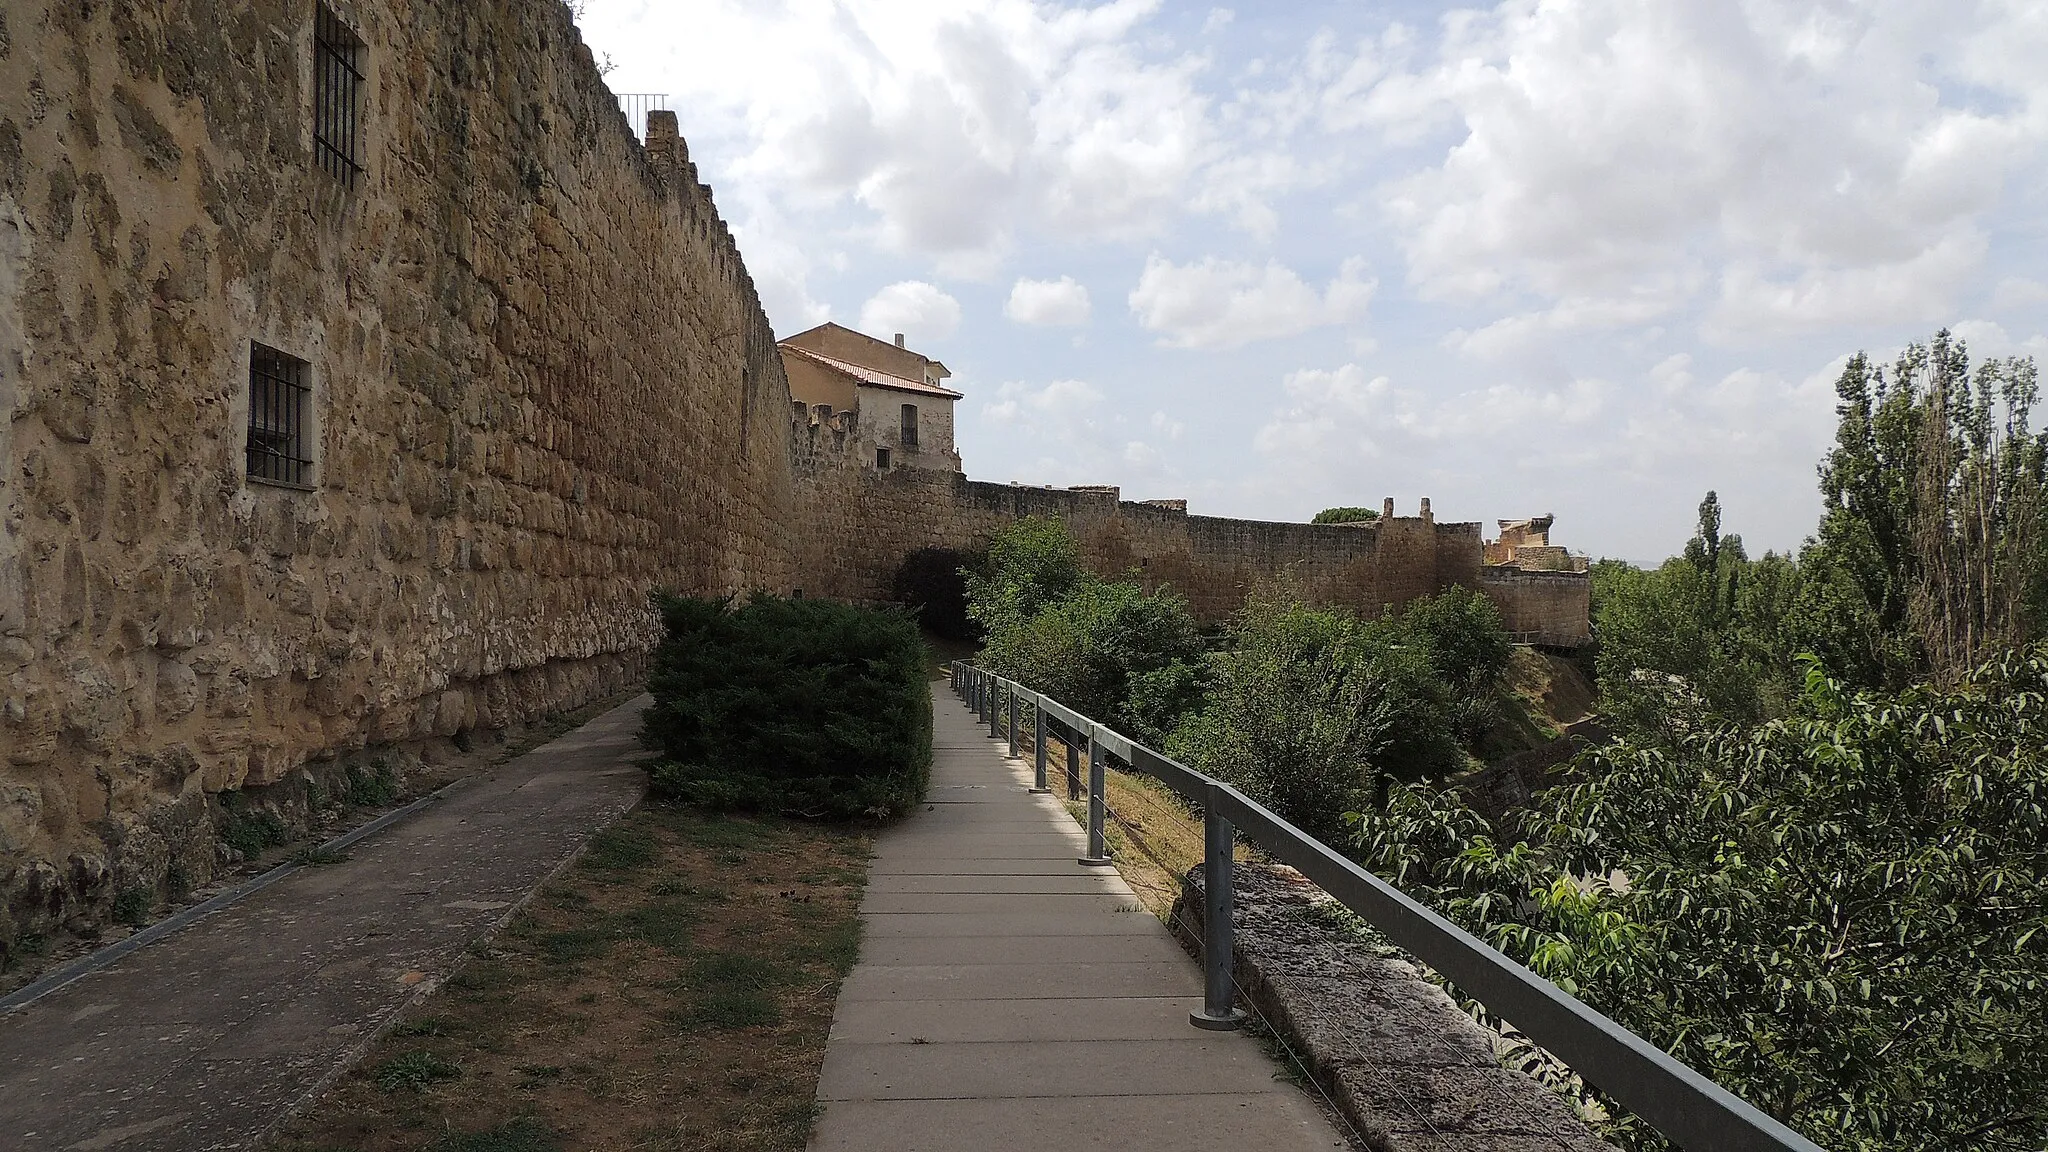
(806, 707)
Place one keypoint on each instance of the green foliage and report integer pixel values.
(808, 707)
(1296, 712)
(133, 904)
(620, 848)
(249, 830)
(1108, 649)
(1309, 708)
(522, 1134)
(933, 583)
(373, 786)
(1930, 551)
(1346, 516)
(1840, 917)
(1708, 631)
(414, 1071)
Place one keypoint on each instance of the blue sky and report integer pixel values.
(1586, 258)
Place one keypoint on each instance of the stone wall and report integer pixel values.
(861, 524)
(1539, 607)
(542, 384)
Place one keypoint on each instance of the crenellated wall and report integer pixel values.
(542, 384)
(862, 523)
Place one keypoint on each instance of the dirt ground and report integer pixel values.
(671, 990)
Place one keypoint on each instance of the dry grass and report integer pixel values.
(1153, 835)
(672, 990)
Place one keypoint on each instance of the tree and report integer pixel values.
(1107, 648)
(1346, 516)
(1842, 916)
(1930, 548)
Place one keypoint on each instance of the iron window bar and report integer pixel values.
(279, 396)
(1688, 1108)
(337, 92)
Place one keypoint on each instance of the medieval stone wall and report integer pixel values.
(861, 524)
(1541, 607)
(542, 384)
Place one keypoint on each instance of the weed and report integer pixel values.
(372, 787)
(177, 882)
(133, 904)
(575, 945)
(524, 1134)
(836, 945)
(413, 1071)
(664, 925)
(317, 857)
(424, 1026)
(535, 1075)
(249, 830)
(733, 990)
(316, 796)
(619, 848)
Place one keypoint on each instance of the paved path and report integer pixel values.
(208, 1038)
(1009, 998)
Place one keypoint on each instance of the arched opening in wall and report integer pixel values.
(930, 581)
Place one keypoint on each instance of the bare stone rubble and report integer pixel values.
(1409, 1070)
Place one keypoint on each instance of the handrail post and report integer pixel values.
(974, 691)
(1038, 749)
(1218, 941)
(1013, 721)
(995, 710)
(1098, 851)
(1073, 765)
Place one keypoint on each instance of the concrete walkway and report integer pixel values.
(209, 1038)
(1009, 998)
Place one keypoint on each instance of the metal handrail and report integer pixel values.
(1686, 1107)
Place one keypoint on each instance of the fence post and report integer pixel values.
(1038, 749)
(1219, 840)
(995, 710)
(1013, 721)
(1098, 852)
(1073, 765)
(974, 691)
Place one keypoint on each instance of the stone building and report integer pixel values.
(888, 399)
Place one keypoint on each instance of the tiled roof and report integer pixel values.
(873, 377)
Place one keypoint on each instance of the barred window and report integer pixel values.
(909, 436)
(280, 439)
(337, 96)
(882, 459)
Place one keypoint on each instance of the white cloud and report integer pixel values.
(1804, 160)
(919, 310)
(2016, 292)
(1055, 302)
(1224, 303)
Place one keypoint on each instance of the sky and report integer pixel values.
(1589, 258)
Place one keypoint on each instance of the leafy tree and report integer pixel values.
(1346, 516)
(1129, 658)
(1311, 709)
(1930, 551)
(1839, 916)
(933, 581)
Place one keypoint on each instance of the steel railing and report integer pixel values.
(1688, 1108)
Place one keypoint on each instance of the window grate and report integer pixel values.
(337, 93)
(909, 430)
(279, 449)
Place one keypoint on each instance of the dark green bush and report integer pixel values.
(1346, 516)
(807, 707)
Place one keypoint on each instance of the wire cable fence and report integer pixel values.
(1689, 1109)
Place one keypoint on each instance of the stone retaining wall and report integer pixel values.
(1409, 1070)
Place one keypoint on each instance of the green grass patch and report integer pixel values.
(415, 1071)
(521, 1134)
(733, 990)
(621, 848)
